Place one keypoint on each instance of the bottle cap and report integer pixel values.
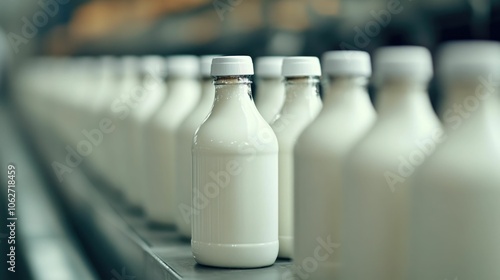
(299, 66)
(402, 62)
(129, 65)
(469, 58)
(130, 60)
(155, 65)
(232, 66)
(347, 63)
(206, 64)
(183, 66)
(269, 66)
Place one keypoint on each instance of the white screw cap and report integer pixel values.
(402, 62)
(347, 63)
(269, 66)
(232, 66)
(469, 58)
(183, 66)
(299, 66)
(206, 64)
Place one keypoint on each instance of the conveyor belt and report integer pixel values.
(44, 242)
(126, 245)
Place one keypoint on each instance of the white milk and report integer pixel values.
(184, 157)
(183, 95)
(302, 105)
(456, 193)
(270, 89)
(374, 238)
(320, 152)
(235, 176)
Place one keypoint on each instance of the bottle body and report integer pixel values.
(184, 156)
(102, 102)
(319, 155)
(235, 183)
(376, 189)
(183, 94)
(302, 105)
(153, 94)
(135, 95)
(118, 112)
(455, 195)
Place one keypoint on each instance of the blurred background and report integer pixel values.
(252, 27)
(74, 28)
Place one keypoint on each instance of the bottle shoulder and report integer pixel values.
(171, 114)
(457, 167)
(289, 125)
(233, 136)
(148, 106)
(333, 134)
(190, 124)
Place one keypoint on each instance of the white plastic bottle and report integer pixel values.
(456, 193)
(319, 156)
(235, 176)
(109, 89)
(183, 95)
(270, 89)
(302, 105)
(105, 86)
(185, 134)
(150, 95)
(374, 236)
(120, 110)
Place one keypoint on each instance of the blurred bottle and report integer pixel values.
(184, 157)
(374, 234)
(302, 105)
(138, 96)
(105, 87)
(152, 92)
(270, 87)
(320, 152)
(183, 95)
(456, 193)
(235, 176)
(89, 136)
(118, 112)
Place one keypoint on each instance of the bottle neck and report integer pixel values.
(340, 89)
(300, 91)
(151, 82)
(177, 86)
(401, 96)
(232, 89)
(470, 100)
